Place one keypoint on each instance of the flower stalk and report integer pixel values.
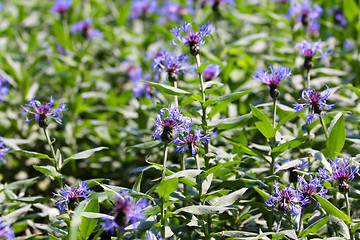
(325, 128)
(166, 148)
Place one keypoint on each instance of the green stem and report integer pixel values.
(119, 234)
(165, 160)
(279, 223)
(52, 148)
(272, 166)
(98, 234)
(197, 161)
(183, 167)
(301, 222)
(275, 103)
(162, 229)
(324, 127)
(346, 195)
(308, 78)
(176, 97)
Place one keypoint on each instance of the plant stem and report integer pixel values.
(279, 223)
(301, 222)
(162, 229)
(346, 195)
(272, 166)
(165, 160)
(183, 167)
(176, 97)
(275, 103)
(197, 161)
(308, 78)
(324, 127)
(52, 148)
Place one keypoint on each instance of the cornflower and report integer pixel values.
(174, 12)
(192, 39)
(308, 189)
(165, 126)
(273, 79)
(4, 87)
(3, 150)
(125, 211)
(211, 71)
(43, 111)
(343, 172)
(190, 141)
(70, 197)
(142, 88)
(311, 50)
(315, 102)
(339, 16)
(141, 8)
(6, 231)
(285, 200)
(304, 12)
(171, 64)
(86, 29)
(61, 6)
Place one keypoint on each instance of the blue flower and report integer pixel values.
(6, 231)
(174, 12)
(285, 200)
(70, 197)
(315, 102)
(343, 172)
(311, 50)
(4, 87)
(348, 44)
(190, 141)
(274, 78)
(43, 111)
(308, 189)
(191, 39)
(86, 29)
(61, 6)
(211, 71)
(125, 211)
(339, 16)
(304, 12)
(141, 8)
(171, 64)
(3, 150)
(142, 88)
(166, 124)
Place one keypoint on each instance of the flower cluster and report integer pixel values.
(141, 8)
(86, 29)
(125, 211)
(171, 64)
(274, 78)
(70, 197)
(61, 6)
(308, 189)
(4, 87)
(343, 172)
(285, 200)
(3, 150)
(189, 141)
(211, 71)
(165, 126)
(311, 50)
(304, 12)
(315, 102)
(6, 232)
(192, 39)
(43, 111)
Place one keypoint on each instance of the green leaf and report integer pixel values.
(146, 145)
(288, 145)
(218, 167)
(290, 116)
(336, 140)
(137, 184)
(355, 227)
(263, 194)
(202, 210)
(204, 65)
(229, 123)
(263, 123)
(313, 228)
(51, 237)
(30, 154)
(166, 187)
(83, 154)
(167, 89)
(76, 221)
(332, 210)
(226, 98)
(88, 224)
(351, 9)
(228, 199)
(246, 149)
(48, 170)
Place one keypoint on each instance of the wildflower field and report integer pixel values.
(179, 119)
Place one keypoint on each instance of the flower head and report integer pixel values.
(192, 39)
(166, 125)
(174, 12)
(343, 172)
(285, 200)
(70, 197)
(308, 189)
(211, 71)
(190, 141)
(43, 111)
(4, 87)
(311, 50)
(86, 29)
(141, 8)
(61, 6)
(339, 16)
(3, 150)
(316, 102)
(171, 64)
(125, 211)
(304, 12)
(6, 232)
(142, 88)
(348, 44)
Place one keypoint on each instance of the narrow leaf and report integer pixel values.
(167, 89)
(83, 154)
(263, 123)
(332, 210)
(166, 187)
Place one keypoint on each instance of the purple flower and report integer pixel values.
(6, 232)
(311, 50)
(315, 102)
(125, 211)
(166, 125)
(70, 197)
(3, 150)
(134, 72)
(339, 16)
(274, 78)
(190, 141)
(86, 29)
(211, 71)
(348, 44)
(285, 200)
(192, 39)
(142, 88)
(308, 189)
(174, 12)
(4, 87)
(43, 111)
(60, 49)
(61, 6)
(314, 28)
(141, 8)
(171, 64)
(304, 12)
(343, 172)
